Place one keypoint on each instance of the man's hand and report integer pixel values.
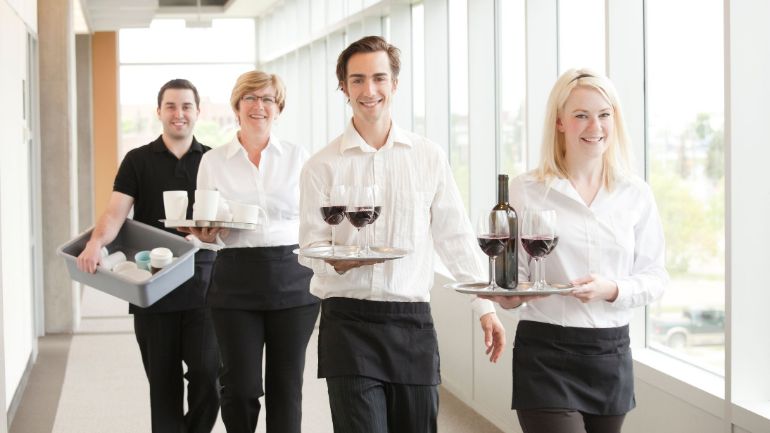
(594, 287)
(494, 335)
(90, 257)
(342, 266)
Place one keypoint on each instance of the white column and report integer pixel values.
(482, 94)
(401, 37)
(747, 60)
(436, 76)
(542, 69)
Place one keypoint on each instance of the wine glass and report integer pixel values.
(360, 210)
(377, 208)
(333, 208)
(492, 232)
(538, 237)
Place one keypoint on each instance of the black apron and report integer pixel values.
(394, 342)
(260, 278)
(585, 369)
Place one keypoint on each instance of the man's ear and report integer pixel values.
(395, 85)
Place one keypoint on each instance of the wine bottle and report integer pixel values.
(506, 266)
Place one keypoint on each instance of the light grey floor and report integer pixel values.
(93, 382)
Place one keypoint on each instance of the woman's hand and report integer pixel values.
(510, 302)
(342, 266)
(205, 234)
(594, 287)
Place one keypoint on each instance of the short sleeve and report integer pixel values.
(127, 179)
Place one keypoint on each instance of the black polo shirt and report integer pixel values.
(144, 174)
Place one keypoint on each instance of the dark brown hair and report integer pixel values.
(179, 83)
(367, 44)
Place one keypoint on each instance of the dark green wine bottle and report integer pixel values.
(506, 266)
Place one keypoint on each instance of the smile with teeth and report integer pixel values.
(257, 116)
(370, 103)
(592, 139)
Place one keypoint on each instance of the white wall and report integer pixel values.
(15, 230)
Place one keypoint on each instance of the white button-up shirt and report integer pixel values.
(274, 186)
(619, 236)
(421, 212)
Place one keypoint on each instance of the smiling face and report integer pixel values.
(257, 110)
(369, 86)
(178, 113)
(587, 122)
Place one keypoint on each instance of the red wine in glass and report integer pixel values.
(333, 215)
(539, 246)
(492, 245)
(360, 216)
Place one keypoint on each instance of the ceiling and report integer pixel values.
(111, 15)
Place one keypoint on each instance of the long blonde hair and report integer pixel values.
(616, 159)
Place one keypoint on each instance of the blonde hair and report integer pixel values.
(257, 80)
(616, 159)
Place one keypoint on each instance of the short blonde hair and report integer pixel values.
(616, 158)
(257, 80)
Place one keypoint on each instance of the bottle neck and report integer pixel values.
(502, 191)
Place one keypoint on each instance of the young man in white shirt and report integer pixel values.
(377, 345)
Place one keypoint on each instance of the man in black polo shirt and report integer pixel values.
(178, 327)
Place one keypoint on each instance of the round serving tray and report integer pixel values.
(523, 289)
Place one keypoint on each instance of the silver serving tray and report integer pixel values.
(349, 252)
(212, 224)
(523, 289)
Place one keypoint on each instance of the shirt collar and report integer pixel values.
(273, 145)
(159, 146)
(352, 139)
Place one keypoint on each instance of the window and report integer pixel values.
(512, 85)
(208, 57)
(686, 171)
(418, 71)
(459, 152)
(581, 35)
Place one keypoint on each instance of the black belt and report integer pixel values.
(390, 341)
(584, 369)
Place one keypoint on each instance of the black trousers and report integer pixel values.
(361, 404)
(567, 421)
(284, 334)
(166, 340)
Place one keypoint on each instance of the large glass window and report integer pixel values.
(581, 35)
(686, 170)
(211, 58)
(459, 152)
(512, 85)
(418, 69)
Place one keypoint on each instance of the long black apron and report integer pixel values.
(585, 369)
(393, 342)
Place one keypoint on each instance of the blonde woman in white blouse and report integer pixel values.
(259, 296)
(572, 365)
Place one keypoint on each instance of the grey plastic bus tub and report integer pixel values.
(132, 238)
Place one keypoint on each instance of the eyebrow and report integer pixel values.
(378, 74)
(586, 110)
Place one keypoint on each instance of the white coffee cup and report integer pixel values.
(123, 267)
(112, 260)
(246, 213)
(160, 258)
(223, 212)
(206, 205)
(137, 275)
(175, 205)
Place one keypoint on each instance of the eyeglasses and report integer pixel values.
(252, 99)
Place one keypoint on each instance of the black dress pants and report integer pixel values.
(567, 421)
(284, 334)
(361, 404)
(166, 340)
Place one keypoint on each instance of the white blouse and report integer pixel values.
(619, 236)
(422, 212)
(274, 186)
